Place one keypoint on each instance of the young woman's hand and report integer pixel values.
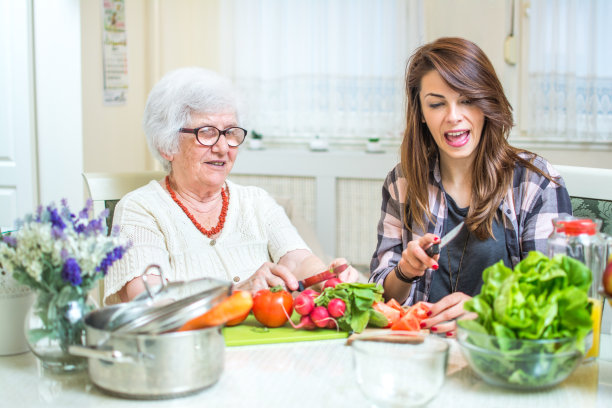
(445, 312)
(414, 260)
(413, 264)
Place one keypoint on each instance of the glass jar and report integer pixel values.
(580, 239)
(52, 326)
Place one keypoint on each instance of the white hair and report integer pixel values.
(175, 97)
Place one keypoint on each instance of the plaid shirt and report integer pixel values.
(528, 209)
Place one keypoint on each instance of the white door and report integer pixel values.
(18, 180)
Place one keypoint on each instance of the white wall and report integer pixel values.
(59, 118)
(161, 35)
(166, 34)
(112, 135)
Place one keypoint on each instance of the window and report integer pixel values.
(333, 69)
(568, 93)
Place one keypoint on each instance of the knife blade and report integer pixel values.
(452, 234)
(320, 277)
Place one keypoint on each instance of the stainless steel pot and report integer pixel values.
(151, 366)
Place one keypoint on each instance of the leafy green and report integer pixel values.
(540, 299)
(359, 298)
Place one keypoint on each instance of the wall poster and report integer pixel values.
(114, 47)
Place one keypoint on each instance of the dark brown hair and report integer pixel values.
(468, 71)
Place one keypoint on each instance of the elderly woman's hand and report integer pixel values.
(269, 275)
(445, 312)
(350, 274)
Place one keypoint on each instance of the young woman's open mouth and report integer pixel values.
(457, 138)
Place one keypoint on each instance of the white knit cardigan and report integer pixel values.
(256, 230)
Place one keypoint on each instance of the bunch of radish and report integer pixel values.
(318, 316)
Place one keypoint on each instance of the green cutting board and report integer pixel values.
(252, 332)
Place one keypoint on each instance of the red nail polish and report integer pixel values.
(423, 325)
(435, 267)
(429, 313)
(434, 329)
(436, 239)
(449, 334)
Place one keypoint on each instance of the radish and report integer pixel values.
(307, 323)
(331, 283)
(336, 307)
(320, 316)
(303, 304)
(331, 324)
(312, 293)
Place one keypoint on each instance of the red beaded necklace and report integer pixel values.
(217, 228)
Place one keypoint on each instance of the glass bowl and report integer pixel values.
(521, 364)
(400, 368)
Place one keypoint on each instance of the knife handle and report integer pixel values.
(321, 277)
(433, 250)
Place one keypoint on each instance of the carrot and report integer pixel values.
(238, 304)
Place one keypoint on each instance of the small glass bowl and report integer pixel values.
(403, 369)
(520, 364)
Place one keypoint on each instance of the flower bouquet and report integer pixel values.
(61, 256)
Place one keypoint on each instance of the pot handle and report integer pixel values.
(112, 356)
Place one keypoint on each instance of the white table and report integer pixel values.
(306, 374)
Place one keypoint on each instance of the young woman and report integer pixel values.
(457, 166)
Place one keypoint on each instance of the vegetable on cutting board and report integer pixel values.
(237, 305)
(358, 301)
(272, 307)
(403, 318)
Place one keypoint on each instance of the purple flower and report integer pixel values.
(56, 219)
(10, 240)
(71, 272)
(57, 233)
(96, 226)
(39, 211)
(110, 258)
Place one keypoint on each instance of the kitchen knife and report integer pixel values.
(320, 277)
(452, 234)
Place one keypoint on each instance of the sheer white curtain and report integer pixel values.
(329, 68)
(570, 70)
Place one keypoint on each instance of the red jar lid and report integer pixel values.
(577, 227)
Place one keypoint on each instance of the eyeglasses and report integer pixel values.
(209, 135)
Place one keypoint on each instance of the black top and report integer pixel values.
(478, 256)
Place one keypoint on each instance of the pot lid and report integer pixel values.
(168, 306)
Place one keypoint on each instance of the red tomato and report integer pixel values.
(268, 306)
(420, 311)
(390, 313)
(411, 321)
(408, 323)
(395, 305)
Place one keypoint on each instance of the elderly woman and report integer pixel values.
(195, 222)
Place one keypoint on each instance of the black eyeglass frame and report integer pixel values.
(219, 133)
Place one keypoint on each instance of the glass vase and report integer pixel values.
(54, 323)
